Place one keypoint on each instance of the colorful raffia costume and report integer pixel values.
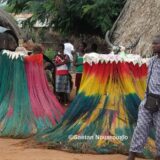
(102, 117)
(27, 106)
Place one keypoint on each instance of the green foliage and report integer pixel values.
(72, 16)
(50, 53)
(102, 13)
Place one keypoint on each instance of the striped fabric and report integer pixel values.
(61, 69)
(62, 83)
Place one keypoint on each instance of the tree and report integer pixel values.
(72, 16)
(138, 20)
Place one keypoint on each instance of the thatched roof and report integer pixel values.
(7, 21)
(9, 31)
(140, 18)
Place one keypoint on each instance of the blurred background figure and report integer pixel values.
(94, 47)
(28, 44)
(62, 84)
(78, 63)
(48, 66)
(69, 49)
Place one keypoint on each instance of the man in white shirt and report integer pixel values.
(68, 49)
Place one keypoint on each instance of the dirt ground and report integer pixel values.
(11, 150)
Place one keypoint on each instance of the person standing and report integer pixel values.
(78, 63)
(62, 86)
(149, 112)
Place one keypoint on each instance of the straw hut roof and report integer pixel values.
(9, 31)
(138, 20)
(7, 21)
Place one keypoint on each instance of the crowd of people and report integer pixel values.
(65, 60)
(68, 60)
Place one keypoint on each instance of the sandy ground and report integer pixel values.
(11, 150)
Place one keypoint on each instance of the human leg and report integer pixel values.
(141, 132)
(156, 120)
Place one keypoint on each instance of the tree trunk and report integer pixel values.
(138, 19)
